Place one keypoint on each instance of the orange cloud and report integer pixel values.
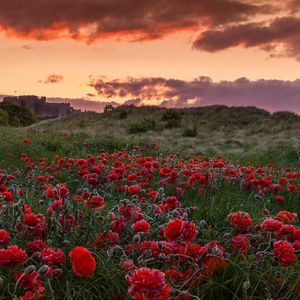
(54, 79)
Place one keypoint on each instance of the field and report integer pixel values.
(145, 203)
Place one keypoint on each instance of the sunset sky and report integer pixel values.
(166, 52)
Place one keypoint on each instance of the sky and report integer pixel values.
(173, 53)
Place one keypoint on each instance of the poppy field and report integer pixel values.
(140, 223)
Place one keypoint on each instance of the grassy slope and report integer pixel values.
(246, 134)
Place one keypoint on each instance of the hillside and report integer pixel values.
(240, 131)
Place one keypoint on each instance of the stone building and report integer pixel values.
(41, 108)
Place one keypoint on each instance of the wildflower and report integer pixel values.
(4, 237)
(284, 253)
(12, 257)
(177, 229)
(279, 198)
(240, 220)
(240, 244)
(270, 225)
(146, 283)
(95, 202)
(141, 226)
(50, 256)
(83, 262)
(286, 217)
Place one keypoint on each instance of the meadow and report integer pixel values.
(149, 203)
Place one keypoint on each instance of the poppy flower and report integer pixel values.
(284, 253)
(148, 284)
(95, 202)
(4, 237)
(141, 226)
(83, 262)
(12, 257)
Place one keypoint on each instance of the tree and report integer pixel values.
(108, 107)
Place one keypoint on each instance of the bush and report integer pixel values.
(3, 118)
(123, 115)
(190, 132)
(18, 115)
(142, 126)
(172, 118)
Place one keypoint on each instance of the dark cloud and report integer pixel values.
(269, 94)
(90, 20)
(279, 37)
(53, 79)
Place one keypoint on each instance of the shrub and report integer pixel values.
(172, 118)
(190, 132)
(142, 126)
(17, 115)
(3, 118)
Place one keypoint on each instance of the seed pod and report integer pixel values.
(246, 285)
(35, 255)
(43, 270)
(30, 269)
(162, 256)
(202, 223)
(136, 238)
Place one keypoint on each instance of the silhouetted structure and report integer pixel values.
(39, 106)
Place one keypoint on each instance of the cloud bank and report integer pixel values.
(273, 95)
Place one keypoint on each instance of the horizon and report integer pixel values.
(83, 105)
(168, 53)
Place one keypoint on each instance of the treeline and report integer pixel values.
(16, 116)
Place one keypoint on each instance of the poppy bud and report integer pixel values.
(30, 269)
(136, 238)
(43, 270)
(246, 285)
(202, 223)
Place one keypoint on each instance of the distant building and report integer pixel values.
(41, 108)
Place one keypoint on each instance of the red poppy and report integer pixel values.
(83, 262)
(148, 284)
(12, 257)
(95, 202)
(284, 253)
(4, 237)
(141, 226)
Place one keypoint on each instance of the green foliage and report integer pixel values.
(18, 115)
(3, 118)
(142, 126)
(172, 118)
(190, 132)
